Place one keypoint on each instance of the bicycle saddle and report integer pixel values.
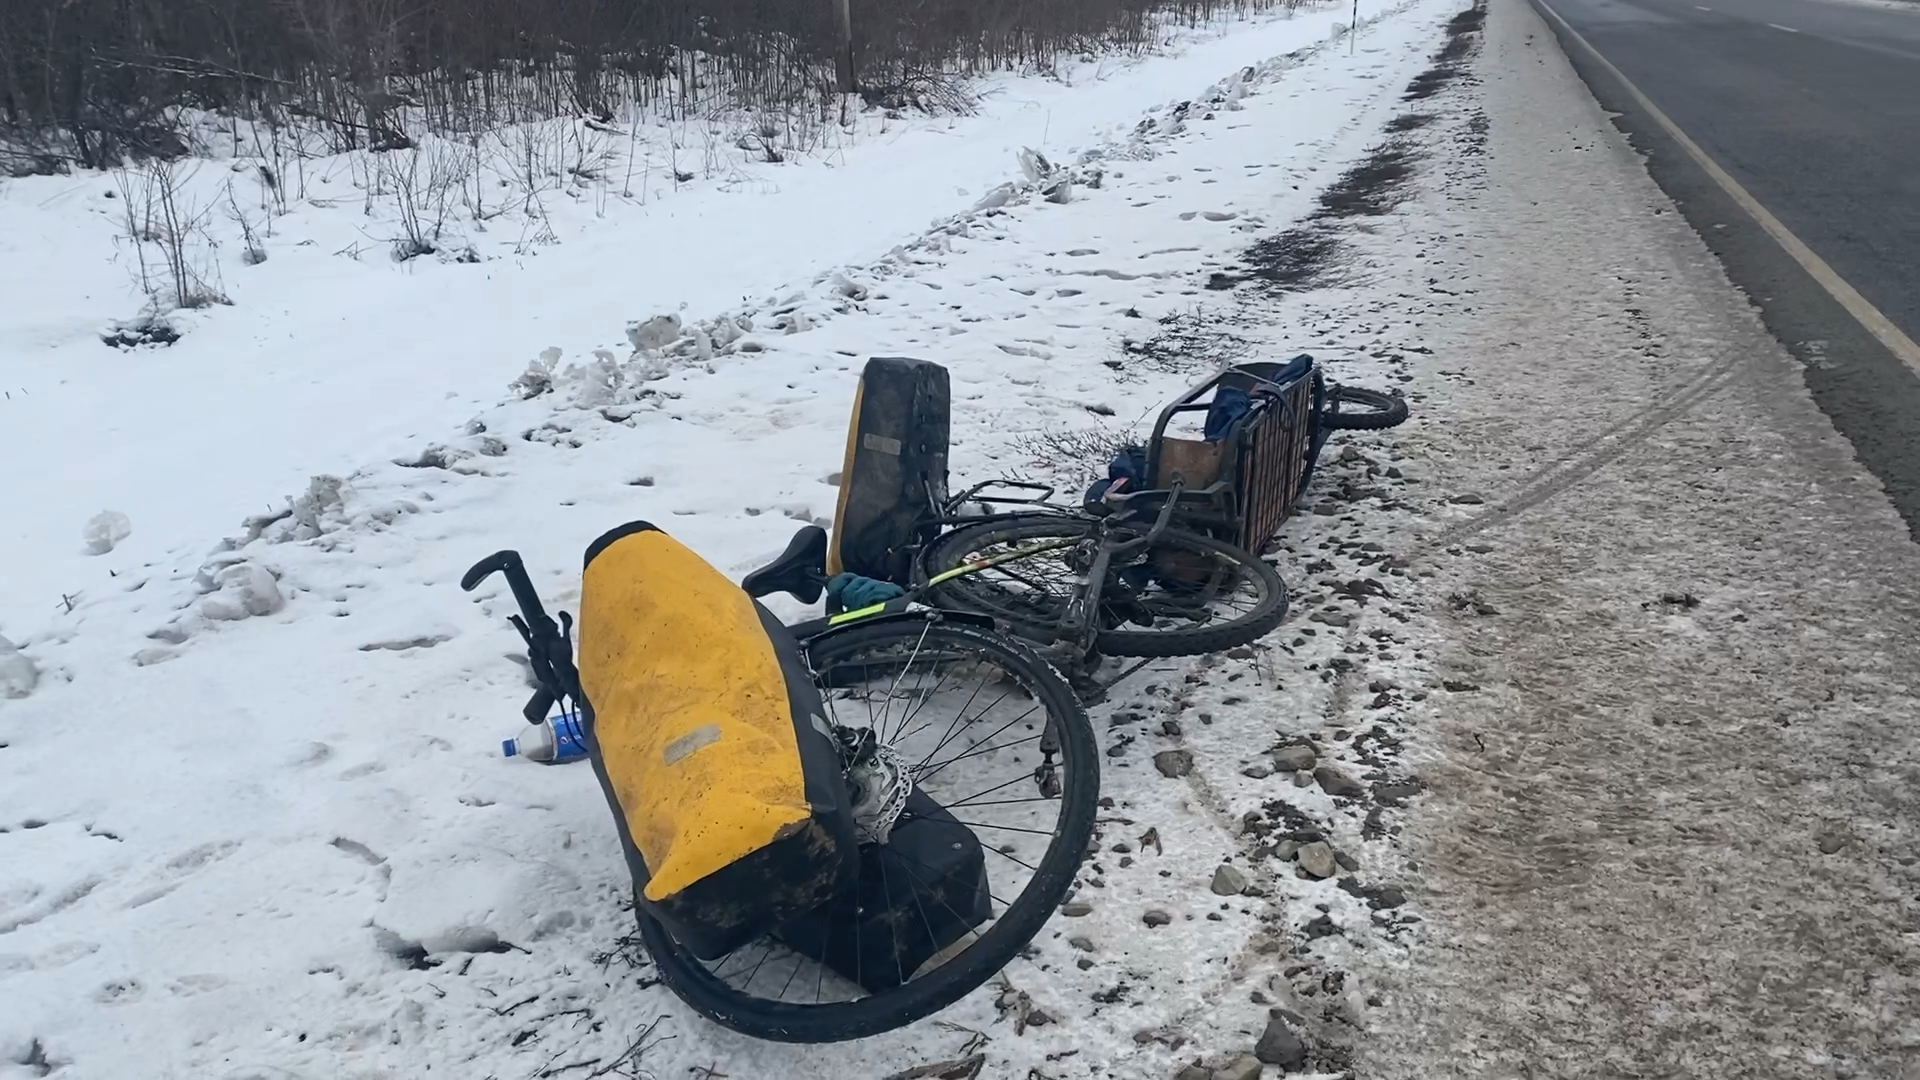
(800, 571)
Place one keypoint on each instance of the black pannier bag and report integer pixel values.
(917, 895)
(895, 475)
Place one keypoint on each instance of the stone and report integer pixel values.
(1156, 917)
(1228, 880)
(1339, 784)
(1240, 652)
(1195, 1071)
(1396, 793)
(1081, 942)
(1278, 1045)
(1244, 1067)
(1074, 909)
(1173, 764)
(1083, 964)
(1387, 898)
(1831, 842)
(1467, 499)
(1299, 757)
(1346, 861)
(1317, 859)
(1331, 618)
(1379, 686)
(1170, 728)
(1319, 928)
(1256, 772)
(1302, 779)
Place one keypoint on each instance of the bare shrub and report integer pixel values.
(255, 253)
(1073, 453)
(423, 179)
(174, 262)
(93, 82)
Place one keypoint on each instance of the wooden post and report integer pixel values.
(843, 50)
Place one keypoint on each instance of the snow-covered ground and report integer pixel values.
(327, 359)
(251, 786)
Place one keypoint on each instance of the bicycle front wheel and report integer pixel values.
(1184, 595)
(975, 780)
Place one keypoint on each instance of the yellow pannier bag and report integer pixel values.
(711, 744)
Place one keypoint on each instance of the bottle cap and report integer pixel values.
(508, 748)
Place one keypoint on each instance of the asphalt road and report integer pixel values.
(1814, 107)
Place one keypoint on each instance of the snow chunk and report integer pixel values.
(105, 530)
(655, 333)
(538, 378)
(241, 590)
(18, 676)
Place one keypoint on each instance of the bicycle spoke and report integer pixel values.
(975, 752)
(997, 787)
(1005, 828)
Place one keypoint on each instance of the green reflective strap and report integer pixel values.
(856, 614)
(1001, 559)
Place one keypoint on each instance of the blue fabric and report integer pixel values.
(1130, 466)
(1230, 403)
(853, 592)
(1297, 368)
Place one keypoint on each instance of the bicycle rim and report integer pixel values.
(1185, 594)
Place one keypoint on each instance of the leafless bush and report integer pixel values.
(423, 180)
(173, 254)
(96, 81)
(255, 253)
(1073, 453)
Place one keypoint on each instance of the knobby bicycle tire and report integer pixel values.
(1381, 410)
(973, 965)
(1037, 621)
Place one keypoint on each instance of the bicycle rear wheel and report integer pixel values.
(1184, 595)
(982, 739)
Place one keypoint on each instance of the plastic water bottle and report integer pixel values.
(554, 741)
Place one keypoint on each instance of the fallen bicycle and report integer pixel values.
(838, 828)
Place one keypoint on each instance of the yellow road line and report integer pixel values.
(1863, 312)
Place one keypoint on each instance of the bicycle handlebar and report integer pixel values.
(549, 644)
(508, 563)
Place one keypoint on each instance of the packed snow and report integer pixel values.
(253, 818)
